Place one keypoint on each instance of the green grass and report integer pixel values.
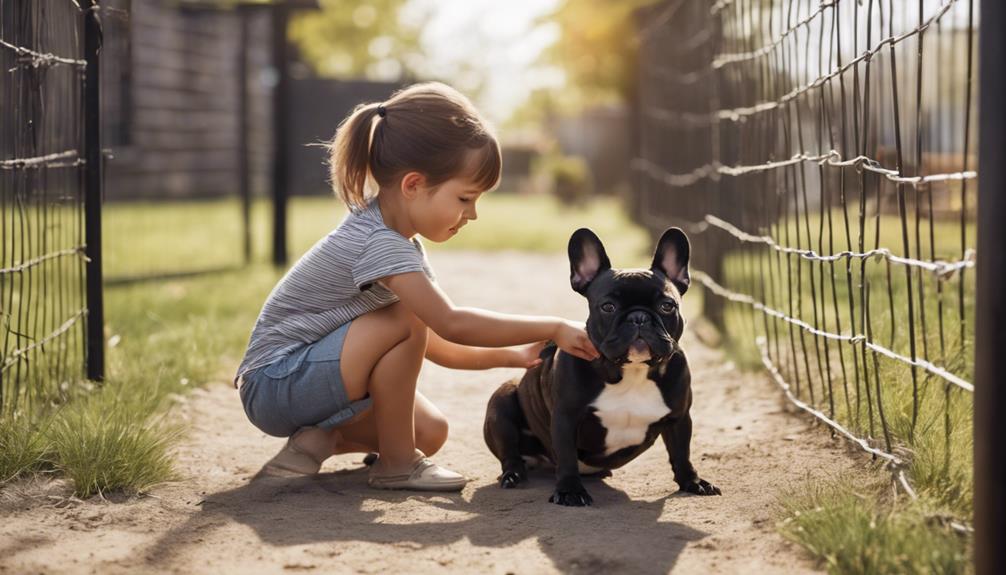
(146, 238)
(854, 526)
(935, 438)
(939, 465)
(24, 447)
(755, 271)
(113, 441)
(166, 337)
(204, 235)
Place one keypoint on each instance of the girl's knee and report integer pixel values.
(431, 434)
(413, 327)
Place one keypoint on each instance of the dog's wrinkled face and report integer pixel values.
(635, 314)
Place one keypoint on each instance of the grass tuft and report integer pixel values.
(857, 526)
(113, 442)
(24, 448)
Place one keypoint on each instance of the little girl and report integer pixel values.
(334, 356)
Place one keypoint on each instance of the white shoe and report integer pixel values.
(423, 476)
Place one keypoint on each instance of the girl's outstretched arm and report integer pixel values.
(457, 356)
(483, 328)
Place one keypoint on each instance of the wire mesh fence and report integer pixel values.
(42, 264)
(822, 156)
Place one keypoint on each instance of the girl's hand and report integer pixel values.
(572, 338)
(526, 356)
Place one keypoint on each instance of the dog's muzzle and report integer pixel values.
(640, 349)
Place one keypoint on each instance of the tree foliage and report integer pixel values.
(596, 49)
(375, 39)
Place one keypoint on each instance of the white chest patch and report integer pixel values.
(627, 408)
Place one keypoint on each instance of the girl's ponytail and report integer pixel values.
(429, 128)
(349, 160)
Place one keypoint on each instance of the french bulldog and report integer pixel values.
(589, 417)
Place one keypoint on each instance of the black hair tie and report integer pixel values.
(381, 110)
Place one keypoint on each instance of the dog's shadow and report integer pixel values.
(616, 533)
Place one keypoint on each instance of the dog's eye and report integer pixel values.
(667, 307)
(607, 307)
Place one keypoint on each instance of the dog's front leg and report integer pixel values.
(677, 438)
(569, 489)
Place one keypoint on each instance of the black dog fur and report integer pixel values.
(573, 413)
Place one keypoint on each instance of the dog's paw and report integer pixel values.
(511, 479)
(701, 487)
(576, 497)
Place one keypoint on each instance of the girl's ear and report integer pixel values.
(411, 183)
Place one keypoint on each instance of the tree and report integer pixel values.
(596, 49)
(377, 39)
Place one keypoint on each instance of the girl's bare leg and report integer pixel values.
(360, 435)
(382, 356)
(390, 378)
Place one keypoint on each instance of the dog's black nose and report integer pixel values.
(639, 318)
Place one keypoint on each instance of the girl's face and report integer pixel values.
(438, 213)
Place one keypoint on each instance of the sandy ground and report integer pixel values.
(217, 519)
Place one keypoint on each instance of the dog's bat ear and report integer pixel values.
(587, 259)
(671, 258)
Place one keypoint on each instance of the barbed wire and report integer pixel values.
(832, 158)
(896, 465)
(695, 119)
(722, 60)
(46, 161)
(737, 114)
(941, 269)
(737, 297)
(780, 90)
(18, 353)
(41, 343)
(40, 59)
(79, 251)
(863, 444)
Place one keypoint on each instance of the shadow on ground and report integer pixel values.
(616, 533)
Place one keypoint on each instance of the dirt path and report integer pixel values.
(217, 520)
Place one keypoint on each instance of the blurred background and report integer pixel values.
(761, 127)
(214, 108)
(821, 155)
(204, 117)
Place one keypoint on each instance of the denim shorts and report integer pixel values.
(302, 389)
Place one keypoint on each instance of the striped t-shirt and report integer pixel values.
(335, 282)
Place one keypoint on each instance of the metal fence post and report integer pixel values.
(244, 175)
(990, 391)
(280, 57)
(93, 195)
